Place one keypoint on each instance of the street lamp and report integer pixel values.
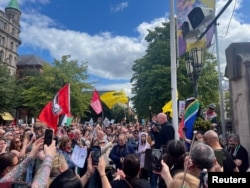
(150, 113)
(194, 66)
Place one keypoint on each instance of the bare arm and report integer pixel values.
(41, 179)
(165, 173)
(103, 176)
(238, 162)
(16, 172)
(23, 150)
(90, 171)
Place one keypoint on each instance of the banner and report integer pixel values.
(59, 105)
(184, 7)
(181, 108)
(96, 103)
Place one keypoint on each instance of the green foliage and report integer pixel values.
(118, 113)
(202, 125)
(151, 79)
(8, 90)
(40, 88)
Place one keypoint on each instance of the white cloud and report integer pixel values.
(119, 7)
(108, 56)
(112, 56)
(237, 28)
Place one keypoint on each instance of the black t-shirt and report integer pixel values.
(135, 183)
(228, 162)
(243, 156)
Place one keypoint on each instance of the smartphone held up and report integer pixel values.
(156, 157)
(48, 137)
(95, 154)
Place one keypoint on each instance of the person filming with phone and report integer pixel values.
(11, 170)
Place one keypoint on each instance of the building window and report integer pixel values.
(13, 32)
(1, 24)
(1, 56)
(12, 46)
(3, 41)
(10, 60)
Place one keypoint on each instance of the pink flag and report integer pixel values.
(96, 103)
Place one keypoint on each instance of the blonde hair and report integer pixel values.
(189, 182)
(58, 161)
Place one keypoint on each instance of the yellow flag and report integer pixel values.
(168, 107)
(114, 97)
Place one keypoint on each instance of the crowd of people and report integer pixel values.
(126, 156)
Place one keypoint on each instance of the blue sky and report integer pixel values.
(109, 34)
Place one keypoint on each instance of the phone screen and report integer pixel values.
(30, 136)
(48, 136)
(95, 154)
(156, 156)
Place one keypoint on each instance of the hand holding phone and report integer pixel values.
(48, 137)
(95, 154)
(156, 156)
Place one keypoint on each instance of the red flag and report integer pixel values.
(96, 103)
(62, 98)
(48, 117)
(59, 105)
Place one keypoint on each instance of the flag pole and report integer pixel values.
(102, 119)
(173, 69)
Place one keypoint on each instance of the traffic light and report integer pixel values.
(197, 18)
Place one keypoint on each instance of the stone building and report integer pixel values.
(10, 30)
(9, 35)
(238, 73)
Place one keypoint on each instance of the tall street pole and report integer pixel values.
(222, 113)
(173, 69)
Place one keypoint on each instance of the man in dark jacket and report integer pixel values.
(119, 151)
(166, 132)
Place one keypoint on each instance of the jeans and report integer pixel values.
(153, 179)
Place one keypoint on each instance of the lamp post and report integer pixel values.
(150, 113)
(194, 66)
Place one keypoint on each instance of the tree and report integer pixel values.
(8, 90)
(151, 79)
(41, 87)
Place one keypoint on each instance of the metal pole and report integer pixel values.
(215, 19)
(173, 69)
(195, 85)
(150, 114)
(222, 113)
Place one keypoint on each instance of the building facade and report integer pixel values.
(9, 35)
(238, 74)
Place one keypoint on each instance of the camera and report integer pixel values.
(156, 157)
(95, 154)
